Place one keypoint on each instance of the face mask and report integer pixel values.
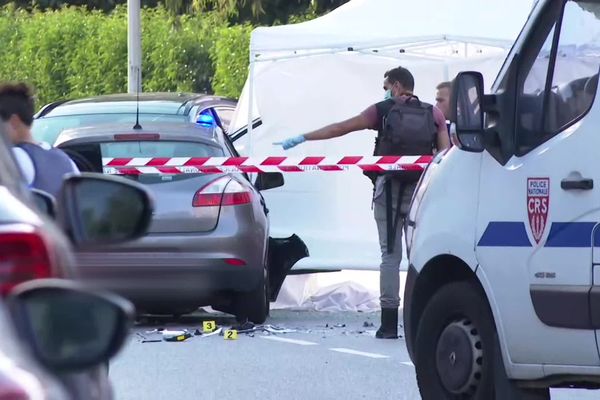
(388, 94)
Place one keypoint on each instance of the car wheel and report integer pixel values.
(455, 345)
(255, 305)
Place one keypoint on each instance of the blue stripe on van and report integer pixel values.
(571, 234)
(505, 234)
(562, 235)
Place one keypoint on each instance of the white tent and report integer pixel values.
(307, 75)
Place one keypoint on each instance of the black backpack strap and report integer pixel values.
(392, 220)
(411, 97)
(383, 108)
(389, 211)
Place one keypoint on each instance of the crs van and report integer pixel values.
(503, 291)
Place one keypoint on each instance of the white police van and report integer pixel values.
(502, 298)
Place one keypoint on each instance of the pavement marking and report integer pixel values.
(358, 353)
(292, 341)
(408, 364)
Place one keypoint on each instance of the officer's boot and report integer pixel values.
(389, 324)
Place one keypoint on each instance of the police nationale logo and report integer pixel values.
(538, 203)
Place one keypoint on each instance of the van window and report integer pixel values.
(560, 85)
(575, 76)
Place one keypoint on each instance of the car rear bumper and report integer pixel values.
(159, 286)
(179, 268)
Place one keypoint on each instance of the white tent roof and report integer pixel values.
(367, 24)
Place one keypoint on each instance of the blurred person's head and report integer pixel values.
(442, 98)
(397, 82)
(16, 110)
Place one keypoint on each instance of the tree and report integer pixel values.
(263, 12)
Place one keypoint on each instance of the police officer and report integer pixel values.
(398, 85)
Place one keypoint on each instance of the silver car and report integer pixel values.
(208, 243)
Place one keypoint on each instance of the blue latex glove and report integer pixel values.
(291, 142)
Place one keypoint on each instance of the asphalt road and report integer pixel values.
(331, 356)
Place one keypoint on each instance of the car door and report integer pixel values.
(539, 208)
(225, 114)
(283, 252)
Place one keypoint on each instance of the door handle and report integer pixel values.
(577, 184)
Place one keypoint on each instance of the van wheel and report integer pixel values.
(255, 305)
(455, 345)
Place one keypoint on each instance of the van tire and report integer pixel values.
(255, 305)
(455, 344)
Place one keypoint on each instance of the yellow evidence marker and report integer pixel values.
(209, 326)
(231, 334)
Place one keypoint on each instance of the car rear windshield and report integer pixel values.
(159, 149)
(48, 129)
(88, 156)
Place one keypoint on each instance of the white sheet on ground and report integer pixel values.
(337, 291)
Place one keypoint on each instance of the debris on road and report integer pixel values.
(176, 336)
(216, 332)
(181, 335)
(368, 324)
(335, 326)
(277, 329)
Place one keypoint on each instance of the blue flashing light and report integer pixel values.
(206, 120)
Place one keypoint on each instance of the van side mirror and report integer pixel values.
(269, 180)
(96, 209)
(68, 327)
(466, 107)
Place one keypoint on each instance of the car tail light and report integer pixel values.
(23, 257)
(236, 262)
(224, 191)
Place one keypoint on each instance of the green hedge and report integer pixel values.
(231, 57)
(74, 52)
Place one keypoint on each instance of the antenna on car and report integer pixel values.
(137, 125)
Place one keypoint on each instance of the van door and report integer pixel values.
(539, 206)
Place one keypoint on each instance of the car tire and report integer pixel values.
(255, 305)
(455, 345)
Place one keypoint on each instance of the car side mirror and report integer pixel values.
(67, 327)
(44, 202)
(269, 180)
(466, 107)
(96, 209)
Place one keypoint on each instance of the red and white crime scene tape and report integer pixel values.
(219, 165)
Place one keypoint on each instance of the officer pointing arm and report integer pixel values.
(406, 126)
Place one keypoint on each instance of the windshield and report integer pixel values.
(47, 129)
(89, 156)
(158, 149)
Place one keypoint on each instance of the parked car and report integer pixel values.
(33, 247)
(55, 335)
(55, 117)
(208, 243)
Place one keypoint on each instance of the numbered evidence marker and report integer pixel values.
(209, 326)
(231, 334)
